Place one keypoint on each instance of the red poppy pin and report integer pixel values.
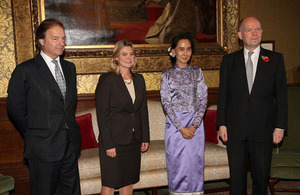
(265, 58)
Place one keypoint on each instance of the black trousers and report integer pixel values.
(259, 155)
(60, 177)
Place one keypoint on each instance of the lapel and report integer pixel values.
(124, 90)
(68, 78)
(126, 93)
(260, 71)
(137, 90)
(241, 70)
(47, 75)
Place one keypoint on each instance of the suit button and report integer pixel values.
(132, 114)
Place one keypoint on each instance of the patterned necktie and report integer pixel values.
(249, 71)
(60, 79)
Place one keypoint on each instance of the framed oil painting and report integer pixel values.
(93, 27)
(104, 22)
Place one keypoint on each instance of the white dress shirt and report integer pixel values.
(254, 58)
(51, 65)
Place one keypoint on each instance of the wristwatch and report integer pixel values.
(195, 126)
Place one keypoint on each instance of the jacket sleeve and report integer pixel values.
(144, 115)
(103, 94)
(17, 99)
(281, 95)
(222, 98)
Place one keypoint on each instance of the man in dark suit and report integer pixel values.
(252, 108)
(41, 102)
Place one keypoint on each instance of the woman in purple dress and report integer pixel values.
(184, 97)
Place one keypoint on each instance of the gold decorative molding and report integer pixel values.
(23, 30)
(145, 64)
(142, 50)
(231, 18)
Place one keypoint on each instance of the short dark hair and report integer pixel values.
(43, 27)
(175, 41)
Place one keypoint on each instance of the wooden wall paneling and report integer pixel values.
(11, 142)
(12, 162)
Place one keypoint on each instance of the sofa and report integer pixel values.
(153, 163)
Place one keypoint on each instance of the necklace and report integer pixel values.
(128, 82)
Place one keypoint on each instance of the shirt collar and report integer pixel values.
(185, 68)
(47, 58)
(256, 51)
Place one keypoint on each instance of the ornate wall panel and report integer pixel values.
(88, 83)
(152, 80)
(7, 48)
(211, 78)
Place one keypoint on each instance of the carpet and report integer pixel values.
(211, 185)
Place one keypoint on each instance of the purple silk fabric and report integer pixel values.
(185, 158)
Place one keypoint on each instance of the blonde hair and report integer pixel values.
(119, 46)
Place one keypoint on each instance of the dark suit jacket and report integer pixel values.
(254, 115)
(117, 115)
(39, 112)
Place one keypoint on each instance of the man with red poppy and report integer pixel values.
(252, 108)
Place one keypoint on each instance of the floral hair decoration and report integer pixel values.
(170, 52)
(265, 58)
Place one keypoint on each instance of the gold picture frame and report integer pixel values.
(94, 59)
